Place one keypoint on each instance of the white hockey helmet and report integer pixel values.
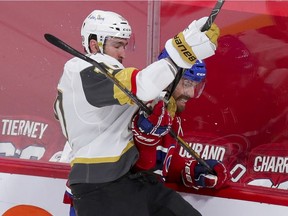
(104, 24)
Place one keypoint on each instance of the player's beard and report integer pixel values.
(181, 102)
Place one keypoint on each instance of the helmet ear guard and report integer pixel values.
(104, 24)
(197, 72)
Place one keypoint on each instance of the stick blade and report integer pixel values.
(65, 47)
(50, 38)
(60, 44)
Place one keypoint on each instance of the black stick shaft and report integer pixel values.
(213, 15)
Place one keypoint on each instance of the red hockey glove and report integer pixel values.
(146, 145)
(147, 133)
(197, 176)
(156, 124)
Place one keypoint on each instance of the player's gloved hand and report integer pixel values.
(197, 176)
(192, 44)
(156, 124)
(147, 133)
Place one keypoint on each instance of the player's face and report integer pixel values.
(183, 93)
(115, 47)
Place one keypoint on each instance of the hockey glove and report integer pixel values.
(148, 130)
(192, 44)
(147, 133)
(197, 176)
(156, 124)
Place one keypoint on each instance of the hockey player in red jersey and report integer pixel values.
(159, 151)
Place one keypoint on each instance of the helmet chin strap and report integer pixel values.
(101, 46)
(101, 49)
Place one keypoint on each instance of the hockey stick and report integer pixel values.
(213, 15)
(206, 26)
(101, 68)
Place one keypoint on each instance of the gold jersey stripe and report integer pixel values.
(102, 159)
(183, 48)
(126, 76)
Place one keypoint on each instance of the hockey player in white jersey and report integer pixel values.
(96, 115)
